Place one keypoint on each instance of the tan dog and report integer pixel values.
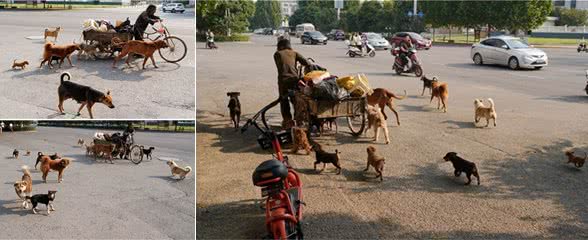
(89, 149)
(52, 33)
(484, 112)
(382, 98)
(440, 92)
(81, 142)
(61, 51)
(103, 149)
(145, 48)
(88, 51)
(375, 161)
(48, 164)
(376, 120)
(21, 64)
(24, 187)
(577, 161)
(175, 170)
(300, 141)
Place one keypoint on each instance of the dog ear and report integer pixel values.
(108, 92)
(40, 153)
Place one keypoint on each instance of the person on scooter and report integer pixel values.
(210, 39)
(356, 41)
(286, 59)
(405, 47)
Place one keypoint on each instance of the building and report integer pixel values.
(573, 4)
(288, 7)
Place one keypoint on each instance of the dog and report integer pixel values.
(52, 33)
(81, 142)
(28, 153)
(100, 149)
(89, 149)
(462, 165)
(440, 92)
(577, 161)
(61, 51)
(148, 151)
(375, 161)
(145, 48)
(324, 157)
(428, 83)
(300, 141)
(180, 172)
(24, 187)
(482, 111)
(88, 51)
(382, 98)
(21, 65)
(53, 157)
(84, 95)
(329, 122)
(48, 164)
(234, 108)
(15, 153)
(377, 120)
(46, 199)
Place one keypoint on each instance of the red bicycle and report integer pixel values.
(280, 184)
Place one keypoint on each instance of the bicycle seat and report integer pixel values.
(269, 172)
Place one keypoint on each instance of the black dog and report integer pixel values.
(84, 95)
(325, 157)
(46, 199)
(462, 165)
(40, 154)
(428, 83)
(148, 151)
(235, 108)
(15, 153)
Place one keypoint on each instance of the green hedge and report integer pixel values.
(221, 38)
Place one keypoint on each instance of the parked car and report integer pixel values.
(259, 31)
(417, 40)
(268, 31)
(336, 34)
(377, 41)
(314, 37)
(173, 7)
(508, 51)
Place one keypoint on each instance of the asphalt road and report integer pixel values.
(99, 200)
(527, 190)
(166, 92)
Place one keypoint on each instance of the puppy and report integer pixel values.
(48, 164)
(28, 153)
(40, 154)
(84, 95)
(484, 112)
(324, 157)
(15, 153)
(103, 149)
(147, 152)
(234, 108)
(24, 187)
(145, 48)
(46, 199)
(440, 92)
(81, 142)
(62, 51)
(577, 161)
(462, 165)
(376, 120)
(428, 83)
(300, 141)
(21, 65)
(180, 172)
(330, 122)
(88, 51)
(382, 98)
(52, 33)
(375, 161)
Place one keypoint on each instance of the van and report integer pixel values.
(305, 27)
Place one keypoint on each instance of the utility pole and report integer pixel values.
(414, 8)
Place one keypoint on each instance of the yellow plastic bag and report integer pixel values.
(316, 76)
(346, 82)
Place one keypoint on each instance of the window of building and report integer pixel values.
(559, 3)
(573, 4)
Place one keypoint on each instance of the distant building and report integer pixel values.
(573, 4)
(288, 7)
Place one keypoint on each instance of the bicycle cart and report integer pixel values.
(124, 148)
(176, 50)
(104, 40)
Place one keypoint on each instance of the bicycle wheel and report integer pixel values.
(176, 50)
(356, 122)
(136, 154)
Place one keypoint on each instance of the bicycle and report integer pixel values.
(176, 46)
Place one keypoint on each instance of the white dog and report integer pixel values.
(377, 120)
(484, 112)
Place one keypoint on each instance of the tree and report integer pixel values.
(267, 14)
(223, 16)
(369, 16)
(316, 12)
(570, 17)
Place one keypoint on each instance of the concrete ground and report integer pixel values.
(166, 92)
(99, 200)
(527, 190)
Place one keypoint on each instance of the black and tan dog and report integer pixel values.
(84, 95)
(15, 153)
(462, 165)
(234, 108)
(577, 161)
(148, 151)
(324, 157)
(428, 83)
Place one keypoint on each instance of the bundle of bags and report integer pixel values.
(321, 85)
(102, 25)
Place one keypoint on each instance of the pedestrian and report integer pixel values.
(1, 127)
(11, 127)
(286, 59)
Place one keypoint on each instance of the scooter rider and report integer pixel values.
(405, 47)
(210, 39)
(356, 41)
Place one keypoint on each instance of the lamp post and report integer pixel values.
(414, 7)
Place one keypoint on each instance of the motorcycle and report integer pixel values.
(210, 43)
(582, 47)
(413, 66)
(355, 51)
(280, 185)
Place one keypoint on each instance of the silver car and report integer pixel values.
(377, 41)
(508, 51)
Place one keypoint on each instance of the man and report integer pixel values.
(356, 41)
(147, 17)
(405, 46)
(286, 59)
(1, 127)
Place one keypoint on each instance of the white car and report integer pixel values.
(173, 7)
(377, 41)
(508, 51)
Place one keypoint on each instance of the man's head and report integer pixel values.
(407, 38)
(284, 44)
(151, 9)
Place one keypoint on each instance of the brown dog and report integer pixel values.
(61, 51)
(577, 161)
(440, 92)
(382, 97)
(48, 164)
(145, 48)
(376, 120)
(300, 141)
(21, 65)
(105, 149)
(375, 161)
(24, 187)
(52, 33)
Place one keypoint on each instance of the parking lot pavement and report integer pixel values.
(97, 199)
(165, 92)
(527, 190)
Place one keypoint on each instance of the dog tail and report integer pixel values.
(392, 95)
(188, 169)
(491, 103)
(48, 46)
(25, 170)
(65, 74)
